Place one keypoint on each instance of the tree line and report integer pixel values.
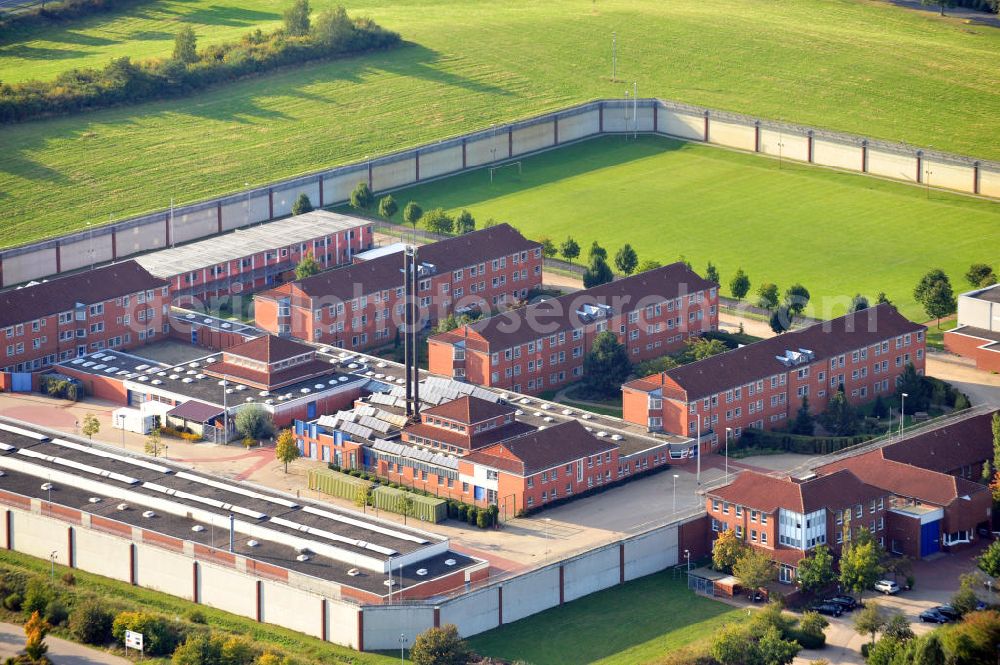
(124, 81)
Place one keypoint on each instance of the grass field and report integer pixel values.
(855, 65)
(836, 233)
(632, 624)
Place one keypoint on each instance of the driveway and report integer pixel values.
(61, 652)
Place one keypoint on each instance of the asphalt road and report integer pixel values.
(61, 652)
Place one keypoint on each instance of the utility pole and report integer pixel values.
(614, 57)
(635, 109)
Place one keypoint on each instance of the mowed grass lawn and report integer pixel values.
(836, 233)
(857, 65)
(633, 624)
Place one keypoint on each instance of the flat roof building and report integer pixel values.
(257, 256)
(977, 335)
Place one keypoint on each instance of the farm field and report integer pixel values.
(632, 624)
(836, 233)
(855, 65)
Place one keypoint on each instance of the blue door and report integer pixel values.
(311, 410)
(20, 382)
(930, 538)
(479, 492)
(194, 336)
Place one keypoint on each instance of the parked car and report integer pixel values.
(829, 609)
(934, 615)
(846, 602)
(948, 611)
(887, 587)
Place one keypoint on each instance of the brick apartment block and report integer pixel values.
(762, 384)
(361, 306)
(911, 495)
(119, 306)
(542, 346)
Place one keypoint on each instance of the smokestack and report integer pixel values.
(414, 348)
(407, 298)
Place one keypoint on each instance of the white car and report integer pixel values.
(887, 587)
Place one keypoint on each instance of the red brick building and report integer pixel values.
(258, 256)
(361, 306)
(119, 306)
(760, 385)
(542, 346)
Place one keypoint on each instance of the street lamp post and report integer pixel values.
(121, 417)
(687, 557)
(728, 430)
(676, 476)
(781, 144)
(402, 644)
(52, 561)
(902, 412)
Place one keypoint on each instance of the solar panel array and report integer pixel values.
(403, 450)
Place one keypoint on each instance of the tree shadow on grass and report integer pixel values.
(221, 15)
(418, 61)
(26, 52)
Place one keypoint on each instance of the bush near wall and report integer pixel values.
(122, 81)
(797, 443)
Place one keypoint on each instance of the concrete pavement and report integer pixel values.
(61, 652)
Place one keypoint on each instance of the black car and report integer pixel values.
(846, 602)
(934, 615)
(829, 609)
(949, 612)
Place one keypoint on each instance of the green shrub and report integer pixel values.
(461, 512)
(158, 636)
(69, 579)
(55, 612)
(196, 616)
(90, 623)
(13, 601)
(472, 516)
(37, 595)
(483, 519)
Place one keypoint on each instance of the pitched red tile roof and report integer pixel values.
(940, 489)
(61, 294)
(484, 438)
(562, 314)
(768, 493)
(468, 410)
(543, 449)
(386, 272)
(967, 442)
(269, 349)
(758, 360)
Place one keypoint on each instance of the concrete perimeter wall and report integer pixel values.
(496, 145)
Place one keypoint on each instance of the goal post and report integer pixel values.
(494, 169)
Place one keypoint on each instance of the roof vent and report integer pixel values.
(149, 513)
(602, 434)
(389, 582)
(616, 437)
(304, 391)
(422, 572)
(450, 562)
(549, 419)
(156, 382)
(319, 386)
(342, 378)
(174, 377)
(197, 528)
(122, 506)
(353, 572)
(587, 416)
(302, 558)
(264, 393)
(567, 412)
(253, 543)
(46, 486)
(248, 400)
(94, 499)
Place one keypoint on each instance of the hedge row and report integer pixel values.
(797, 443)
(123, 81)
(62, 11)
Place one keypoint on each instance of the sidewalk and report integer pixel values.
(61, 652)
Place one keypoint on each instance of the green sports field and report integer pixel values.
(856, 65)
(633, 624)
(836, 233)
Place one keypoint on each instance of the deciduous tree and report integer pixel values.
(307, 266)
(860, 565)
(816, 572)
(934, 292)
(253, 421)
(754, 569)
(980, 275)
(412, 213)
(285, 450)
(186, 45)
(882, 299)
(302, 205)
(858, 303)
(626, 260)
(91, 425)
(598, 272)
(804, 422)
(699, 348)
(549, 248)
(797, 297)
(438, 221)
(726, 550)
(869, 620)
(739, 285)
(597, 250)
(361, 196)
(465, 223)
(570, 249)
(606, 366)
(649, 264)
(387, 206)
(439, 646)
(297, 18)
(989, 560)
(712, 273)
(767, 295)
(781, 319)
(840, 417)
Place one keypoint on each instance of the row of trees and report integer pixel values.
(436, 221)
(124, 81)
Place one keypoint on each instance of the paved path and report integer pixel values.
(964, 13)
(61, 652)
